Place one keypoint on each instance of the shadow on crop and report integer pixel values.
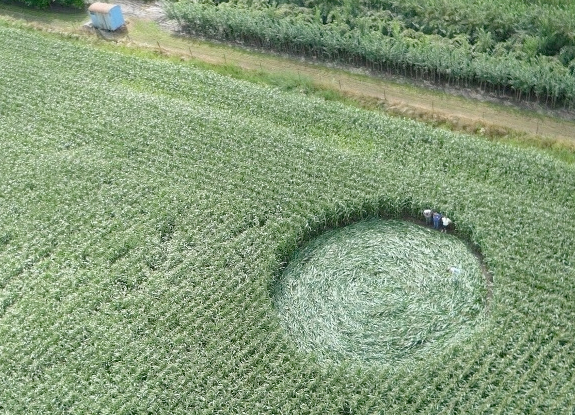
(384, 208)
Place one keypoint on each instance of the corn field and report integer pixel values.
(148, 210)
(511, 49)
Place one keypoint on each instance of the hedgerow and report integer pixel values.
(147, 207)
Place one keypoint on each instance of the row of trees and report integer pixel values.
(452, 61)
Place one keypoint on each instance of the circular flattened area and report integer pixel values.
(380, 291)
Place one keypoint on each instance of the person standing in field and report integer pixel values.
(427, 213)
(445, 221)
(436, 220)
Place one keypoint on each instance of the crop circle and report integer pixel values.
(380, 291)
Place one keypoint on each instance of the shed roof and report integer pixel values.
(101, 7)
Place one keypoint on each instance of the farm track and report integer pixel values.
(463, 109)
(398, 98)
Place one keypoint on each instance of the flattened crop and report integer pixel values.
(380, 291)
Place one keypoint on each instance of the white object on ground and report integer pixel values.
(455, 270)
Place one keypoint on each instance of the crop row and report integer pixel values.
(544, 27)
(147, 207)
(404, 51)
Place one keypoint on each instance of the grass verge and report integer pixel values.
(146, 38)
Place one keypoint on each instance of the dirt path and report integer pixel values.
(148, 26)
(400, 98)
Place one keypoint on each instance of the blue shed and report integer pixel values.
(106, 16)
